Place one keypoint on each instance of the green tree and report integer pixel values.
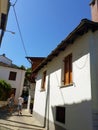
(5, 89)
(22, 67)
(27, 75)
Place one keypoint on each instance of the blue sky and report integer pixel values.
(43, 24)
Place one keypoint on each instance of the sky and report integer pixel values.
(43, 25)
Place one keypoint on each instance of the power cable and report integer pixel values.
(13, 5)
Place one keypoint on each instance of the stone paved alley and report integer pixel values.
(14, 122)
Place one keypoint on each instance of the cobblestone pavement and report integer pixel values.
(14, 122)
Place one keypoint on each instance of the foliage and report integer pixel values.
(25, 93)
(26, 81)
(22, 67)
(27, 74)
(5, 89)
(28, 70)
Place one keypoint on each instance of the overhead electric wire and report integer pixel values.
(13, 5)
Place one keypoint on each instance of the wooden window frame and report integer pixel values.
(12, 75)
(68, 70)
(43, 81)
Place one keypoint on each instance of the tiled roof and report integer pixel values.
(80, 30)
(10, 66)
(35, 61)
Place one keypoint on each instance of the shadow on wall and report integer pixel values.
(68, 116)
(73, 117)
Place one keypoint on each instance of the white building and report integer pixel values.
(35, 61)
(12, 74)
(66, 94)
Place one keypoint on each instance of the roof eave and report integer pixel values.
(80, 30)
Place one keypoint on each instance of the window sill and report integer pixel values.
(42, 90)
(60, 124)
(65, 86)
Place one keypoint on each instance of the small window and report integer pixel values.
(12, 75)
(43, 81)
(60, 114)
(68, 70)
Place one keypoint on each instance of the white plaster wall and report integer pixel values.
(76, 98)
(31, 94)
(40, 98)
(18, 83)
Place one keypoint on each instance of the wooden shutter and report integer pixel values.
(43, 80)
(68, 70)
(12, 75)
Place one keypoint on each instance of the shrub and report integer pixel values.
(5, 89)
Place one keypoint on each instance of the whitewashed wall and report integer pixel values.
(76, 98)
(18, 83)
(31, 94)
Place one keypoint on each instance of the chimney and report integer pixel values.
(94, 10)
(3, 55)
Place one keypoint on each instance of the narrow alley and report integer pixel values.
(15, 122)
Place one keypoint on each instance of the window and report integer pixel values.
(12, 75)
(43, 81)
(60, 114)
(68, 70)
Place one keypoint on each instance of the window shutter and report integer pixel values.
(68, 70)
(43, 80)
(66, 73)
